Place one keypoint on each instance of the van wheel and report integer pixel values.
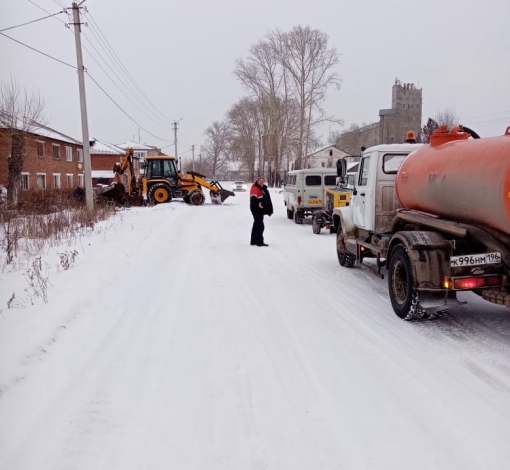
(290, 214)
(316, 223)
(345, 258)
(298, 218)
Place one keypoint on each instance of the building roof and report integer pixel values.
(42, 130)
(135, 146)
(104, 148)
(325, 148)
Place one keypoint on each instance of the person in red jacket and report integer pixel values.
(260, 205)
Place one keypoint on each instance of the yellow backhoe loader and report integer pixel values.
(161, 182)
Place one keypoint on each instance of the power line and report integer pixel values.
(118, 106)
(109, 49)
(40, 52)
(30, 22)
(92, 56)
(119, 77)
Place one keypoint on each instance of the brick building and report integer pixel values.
(404, 115)
(103, 156)
(53, 160)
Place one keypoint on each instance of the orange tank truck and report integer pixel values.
(459, 179)
(434, 219)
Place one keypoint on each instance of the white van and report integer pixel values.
(303, 191)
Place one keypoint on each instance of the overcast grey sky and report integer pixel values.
(182, 54)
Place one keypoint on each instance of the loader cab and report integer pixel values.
(161, 168)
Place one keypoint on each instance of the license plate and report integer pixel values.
(475, 260)
(315, 201)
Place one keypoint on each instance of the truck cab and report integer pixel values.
(373, 201)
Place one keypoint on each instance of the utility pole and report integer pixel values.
(193, 157)
(175, 145)
(89, 196)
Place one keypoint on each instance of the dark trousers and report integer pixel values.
(257, 232)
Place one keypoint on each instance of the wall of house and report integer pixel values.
(41, 160)
(104, 161)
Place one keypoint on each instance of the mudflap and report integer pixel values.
(433, 302)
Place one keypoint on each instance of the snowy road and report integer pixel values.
(173, 344)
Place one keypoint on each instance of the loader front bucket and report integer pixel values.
(219, 197)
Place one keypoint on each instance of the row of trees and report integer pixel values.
(286, 76)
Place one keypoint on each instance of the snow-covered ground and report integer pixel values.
(174, 344)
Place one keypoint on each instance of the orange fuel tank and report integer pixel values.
(459, 179)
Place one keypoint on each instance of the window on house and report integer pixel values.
(69, 154)
(56, 152)
(40, 149)
(81, 182)
(25, 179)
(56, 180)
(80, 155)
(140, 154)
(41, 180)
(69, 180)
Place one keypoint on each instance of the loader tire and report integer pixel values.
(160, 193)
(403, 295)
(345, 258)
(298, 217)
(196, 198)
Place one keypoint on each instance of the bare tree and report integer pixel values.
(289, 74)
(21, 115)
(216, 148)
(305, 55)
(447, 117)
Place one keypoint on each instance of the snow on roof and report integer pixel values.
(102, 174)
(135, 146)
(42, 131)
(105, 148)
(324, 148)
(56, 135)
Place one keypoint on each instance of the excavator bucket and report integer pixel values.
(217, 197)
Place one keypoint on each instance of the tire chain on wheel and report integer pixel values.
(417, 312)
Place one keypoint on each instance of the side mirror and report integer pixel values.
(341, 168)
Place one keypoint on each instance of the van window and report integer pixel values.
(313, 180)
(391, 163)
(329, 180)
(363, 174)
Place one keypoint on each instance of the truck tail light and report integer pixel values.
(493, 280)
(299, 200)
(471, 282)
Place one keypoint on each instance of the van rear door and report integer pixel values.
(313, 190)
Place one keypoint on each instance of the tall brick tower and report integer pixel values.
(404, 115)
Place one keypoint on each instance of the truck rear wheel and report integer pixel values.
(345, 258)
(160, 193)
(403, 295)
(290, 214)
